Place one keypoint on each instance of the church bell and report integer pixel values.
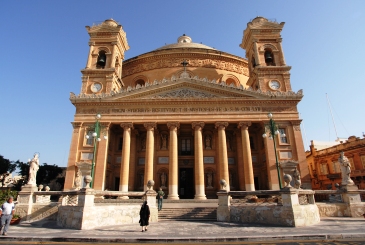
(268, 57)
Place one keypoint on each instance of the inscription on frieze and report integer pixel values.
(172, 110)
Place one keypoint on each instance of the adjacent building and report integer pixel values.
(324, 167)
(185, 115)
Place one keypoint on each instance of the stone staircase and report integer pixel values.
(191, 214)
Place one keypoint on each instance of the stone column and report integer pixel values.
(222, 151)
(300, 152)
(132, 161)
(247, 158)
(199, 163)
(148, 171)
(257, 57)
(272, 172)
(126, 150)
(173, 161)
(72, 158)
(89, 59)
(279, 40)
(101, 160)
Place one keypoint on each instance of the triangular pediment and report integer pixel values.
(186, 88)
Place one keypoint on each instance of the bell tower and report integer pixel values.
(267, 67)
(103, 71)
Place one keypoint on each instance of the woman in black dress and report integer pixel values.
(144, 215)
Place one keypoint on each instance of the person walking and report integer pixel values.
(144, 215)
(6, 212)
(160, 195)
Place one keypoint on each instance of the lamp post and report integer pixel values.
(96, 138)
(273, 130)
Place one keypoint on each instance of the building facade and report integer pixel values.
(185, 115)
(324, 166)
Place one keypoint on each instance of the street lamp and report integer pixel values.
(96, 138)
(273, 130)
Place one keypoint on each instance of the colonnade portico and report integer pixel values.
(173, 156)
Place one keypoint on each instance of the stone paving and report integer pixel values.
(179, 231)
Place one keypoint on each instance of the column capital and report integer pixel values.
(200, 125)
(296, 124)
(76, 125)
(244, 125)
(127, 125)
(91, 43)
(105, 125)
(279, 40)
(173, 124)
(220, 125)
(150, 125)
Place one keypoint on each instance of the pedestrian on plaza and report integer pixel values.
(160, 195)
(6, 212)
(144, 215)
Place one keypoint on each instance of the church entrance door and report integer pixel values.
(186, 183)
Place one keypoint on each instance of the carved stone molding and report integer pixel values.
(184, 93)
(173, 124)
(127, 125)
(76, 126)
(296, 124)
(167, 62)
(150, 125)
(199, 125)
(244, 125)
(221, 125)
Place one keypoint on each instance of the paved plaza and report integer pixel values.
(329, 229)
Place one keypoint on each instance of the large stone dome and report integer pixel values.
(185, 42)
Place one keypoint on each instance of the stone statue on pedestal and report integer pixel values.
(296, 177)
(345, 169)
(33, 169)
(78, 180)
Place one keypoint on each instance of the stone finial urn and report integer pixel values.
(287, 180)
(47, 188)
(223, 184)
(150, 184)
(40, 187)
(87, 180)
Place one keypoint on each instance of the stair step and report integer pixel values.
(198, 213)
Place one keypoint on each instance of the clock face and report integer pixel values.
(95, 87)
(274, 84)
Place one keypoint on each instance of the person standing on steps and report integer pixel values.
(144, 215)
(160, 195)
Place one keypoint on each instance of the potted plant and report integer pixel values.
(15, 220)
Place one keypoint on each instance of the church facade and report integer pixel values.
(185, 115)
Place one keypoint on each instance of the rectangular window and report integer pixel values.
(185, 147)
(283, 137)
(363, 161)
(90, 140)
(336, 167)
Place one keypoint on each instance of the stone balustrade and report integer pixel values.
(290, 211)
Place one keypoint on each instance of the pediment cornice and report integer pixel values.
(186, 87)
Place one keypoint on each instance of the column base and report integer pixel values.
(173, 197)
(200, 197)
(250, 187)
(123, 197)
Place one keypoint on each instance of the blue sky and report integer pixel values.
(45, 45)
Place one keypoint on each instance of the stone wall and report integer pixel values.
(300, 215)
(341, 209)
(90, 217)
(39, 212)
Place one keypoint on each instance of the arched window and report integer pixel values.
(100, 63)
(229, 81)
(269, 57)
(140, 82)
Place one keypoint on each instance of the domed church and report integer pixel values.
(186, 115)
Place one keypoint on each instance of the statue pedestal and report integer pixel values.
(26, 200)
